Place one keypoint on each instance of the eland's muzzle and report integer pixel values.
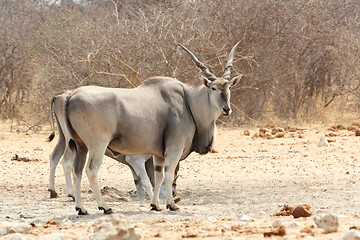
(226, 111)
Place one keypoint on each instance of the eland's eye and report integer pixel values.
(214, 89)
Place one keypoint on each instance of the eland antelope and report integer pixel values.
(141, 165)
(162, 117)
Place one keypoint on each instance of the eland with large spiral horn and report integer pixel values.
(162, 117)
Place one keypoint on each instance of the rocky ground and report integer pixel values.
(234, 193)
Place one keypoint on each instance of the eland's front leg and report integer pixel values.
(159, 178)
(170, 165)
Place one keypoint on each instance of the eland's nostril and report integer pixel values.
(226, 110)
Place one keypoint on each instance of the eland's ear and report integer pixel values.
(235, 80)
(206, 81)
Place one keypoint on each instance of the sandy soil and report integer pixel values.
(232, 194)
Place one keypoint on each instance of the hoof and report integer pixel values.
(172, 208)
(109, 211)
(81, 212)
(177, 199)
(154, 207)
(72, 196)
(53, 194)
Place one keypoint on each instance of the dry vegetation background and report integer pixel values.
(300, 58)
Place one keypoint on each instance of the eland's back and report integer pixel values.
(133, 121)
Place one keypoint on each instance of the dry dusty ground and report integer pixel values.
(232, 194)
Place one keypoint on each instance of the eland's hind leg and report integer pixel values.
(137, 162)
(79, 163)
(54, 161)
(139, 187)
(68, 166)
(92, 170)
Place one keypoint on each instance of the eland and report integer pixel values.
(141, 165)
(162, 117)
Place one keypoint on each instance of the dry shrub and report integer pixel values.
(299, 58)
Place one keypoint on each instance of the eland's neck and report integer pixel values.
(203, 111)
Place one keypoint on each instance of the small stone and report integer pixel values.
(39, 148)
(302, 211)
(322, 142)
(274, 131)
(357, 133)
(285, 211)
(280, 135)
(293, 225)
(262, 130)
(278, 223)
(268, 136)
(244, 218)
(353, 234)
(247, 133)
(262, 213)
(280, 231)
(327, 221)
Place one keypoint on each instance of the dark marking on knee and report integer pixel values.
(158, 168)
(136, 181)
(72, 145)
(51, 137)
(91, 164)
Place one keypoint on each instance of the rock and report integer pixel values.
(274, 131)
(280, 231)
(353, 234)
(357, 133)
(113, 227)
(278, 223)
(247, 133)
(293, 225)
(280, 135)
(9, 227)
(2, 150)
(352, 128)
(285, 211)
(268, 136)
(39, 148)
(262, 132)
(302, 211)
(244, 218)
(327, 221)
(262, 213)
(322, 142)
